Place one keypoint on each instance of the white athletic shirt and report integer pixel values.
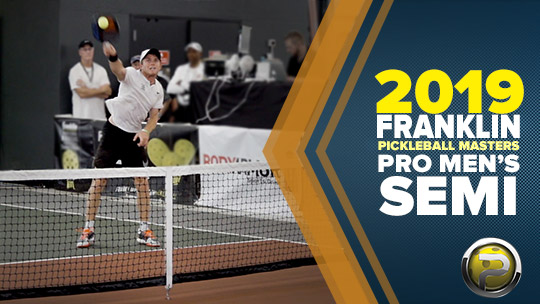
(136, 97)
(93, 107)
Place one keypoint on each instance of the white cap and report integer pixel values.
(194, 45)
(150, 51)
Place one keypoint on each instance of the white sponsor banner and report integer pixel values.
(255, 192)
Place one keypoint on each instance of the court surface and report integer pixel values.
(39, 228)
(295, 285)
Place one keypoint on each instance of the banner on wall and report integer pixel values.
(221, 144)
(169, 145)
(174, 145)
(75, 142)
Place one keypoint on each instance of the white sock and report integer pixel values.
(89, 224)
(143, 226)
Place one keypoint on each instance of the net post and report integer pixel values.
(168, 231)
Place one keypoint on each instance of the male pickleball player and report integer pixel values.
(123, 137)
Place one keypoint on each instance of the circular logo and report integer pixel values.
(491, 267)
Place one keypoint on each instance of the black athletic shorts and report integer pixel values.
(117, 144)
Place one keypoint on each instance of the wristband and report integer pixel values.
(113, 58)
(144, 130)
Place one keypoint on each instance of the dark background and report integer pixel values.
(39, 45)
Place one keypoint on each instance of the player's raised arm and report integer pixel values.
(114, 62)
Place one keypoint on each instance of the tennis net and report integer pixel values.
(154, 226)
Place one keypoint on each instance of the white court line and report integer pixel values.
(159, 203)
(156, 224)
(83, 196)
(238, 213)
(122, 252)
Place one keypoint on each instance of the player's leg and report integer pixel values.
(94, 199)
(134, 156)
(144, 234)
(143, 197)
(106, 157)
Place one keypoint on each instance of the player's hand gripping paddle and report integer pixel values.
(108, 49)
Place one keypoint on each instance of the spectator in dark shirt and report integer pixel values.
(296, 47)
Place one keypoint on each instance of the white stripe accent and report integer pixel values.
(62, 174)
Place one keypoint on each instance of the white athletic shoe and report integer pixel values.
(147, 238)
(87, 238)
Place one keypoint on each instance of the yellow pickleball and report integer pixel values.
(103, 22)
(157, 148)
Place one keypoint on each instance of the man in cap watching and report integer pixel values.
(136, 62)
(89, 84)
(124, 138)
(185, 74)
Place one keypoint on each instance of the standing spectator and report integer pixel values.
(296, 47)
(89, 84)
(182, 78)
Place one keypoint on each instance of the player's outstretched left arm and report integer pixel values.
(144, 134)
(114, 62)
